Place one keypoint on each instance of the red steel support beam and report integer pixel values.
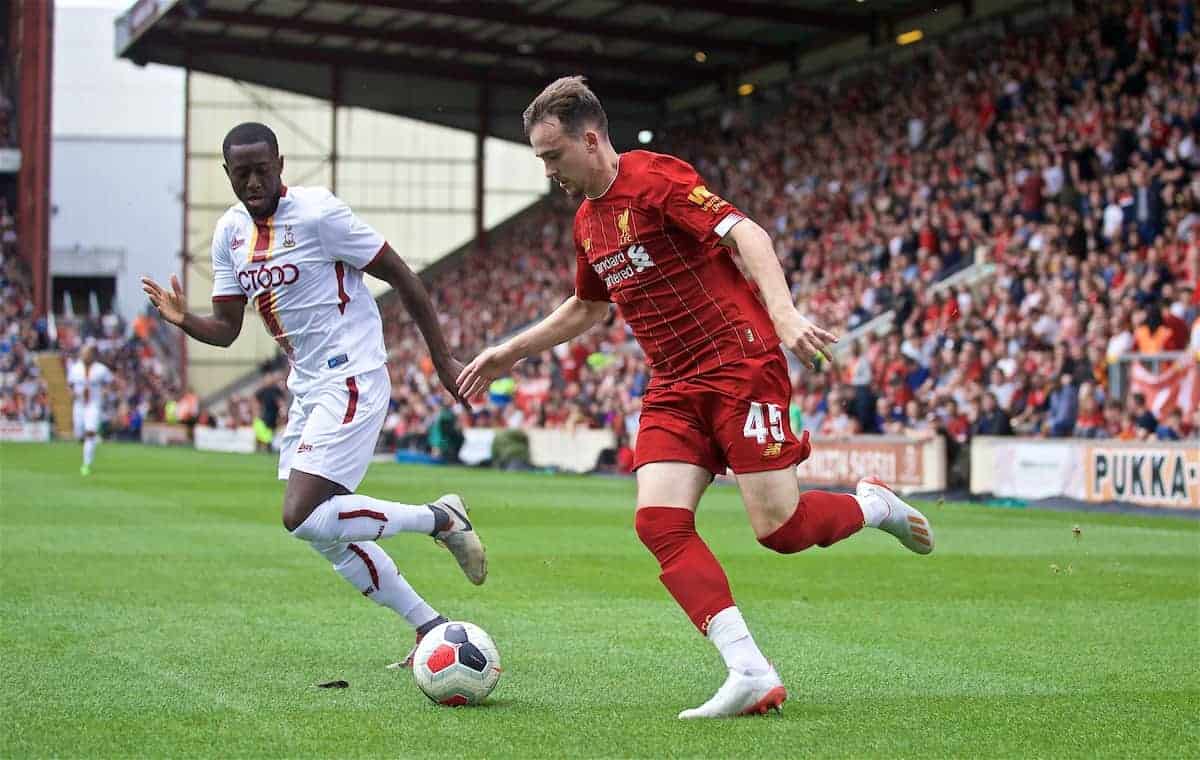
(34, 46)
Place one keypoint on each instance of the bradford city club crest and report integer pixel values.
(289, 240)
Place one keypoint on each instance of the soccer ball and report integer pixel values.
(456, 664)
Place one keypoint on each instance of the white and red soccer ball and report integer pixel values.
(456, 664)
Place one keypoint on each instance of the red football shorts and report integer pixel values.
(735, 416)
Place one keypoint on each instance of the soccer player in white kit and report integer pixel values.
(88, 378)
(297, 254)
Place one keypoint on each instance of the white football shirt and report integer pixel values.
(302, 271)
(88, 383)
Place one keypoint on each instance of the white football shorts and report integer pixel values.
(85, 418)
(332, 430)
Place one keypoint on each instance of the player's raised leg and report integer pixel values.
(788, 521)
(763, 450)
(668, 493)
(332, 438)
(356, 517)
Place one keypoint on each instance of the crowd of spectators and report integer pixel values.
(23, 391)
(1063, 155)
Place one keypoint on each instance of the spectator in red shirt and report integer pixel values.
(1091, 421)
(954, 422)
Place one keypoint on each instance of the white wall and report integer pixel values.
(95, 93)
(123, 193)
(116, 151)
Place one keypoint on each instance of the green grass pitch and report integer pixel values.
(159, 609)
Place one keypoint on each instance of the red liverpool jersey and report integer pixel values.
(651, 245)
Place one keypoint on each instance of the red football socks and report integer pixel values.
(689, 570)
(821, 518)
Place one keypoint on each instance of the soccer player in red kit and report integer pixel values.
(651, 238)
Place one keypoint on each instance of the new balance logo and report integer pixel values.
(704, 198)
(639, 258)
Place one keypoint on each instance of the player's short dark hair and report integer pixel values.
(249, 133)
(573, 102)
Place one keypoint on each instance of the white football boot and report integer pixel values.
(902, 521)
(461, 539)
(742, 694)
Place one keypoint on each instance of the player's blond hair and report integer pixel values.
(572, 102)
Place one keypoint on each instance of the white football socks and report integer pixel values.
(354, 517)
(89, 450)
(343, 529)
(370, 570)
(728, 632)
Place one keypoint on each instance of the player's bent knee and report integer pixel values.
(294, 516)
(333, 551)
(766, 518)
(785, 544)
(290, 523)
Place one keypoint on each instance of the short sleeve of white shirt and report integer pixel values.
(225, 281)
(347, 238)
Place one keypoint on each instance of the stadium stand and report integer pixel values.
(24, 395)
(1069, 168)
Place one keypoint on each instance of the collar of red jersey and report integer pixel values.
(616, 174)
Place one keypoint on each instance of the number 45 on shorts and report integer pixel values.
(759, 426)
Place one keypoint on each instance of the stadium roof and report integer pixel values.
(473, 64)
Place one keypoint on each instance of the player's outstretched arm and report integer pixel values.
(389, 267)
(220, 329)
(809, 342)
(572, 318)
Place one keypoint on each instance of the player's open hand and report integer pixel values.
(490, 365)
(449, 370)
(170, 304)
(809, 342)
